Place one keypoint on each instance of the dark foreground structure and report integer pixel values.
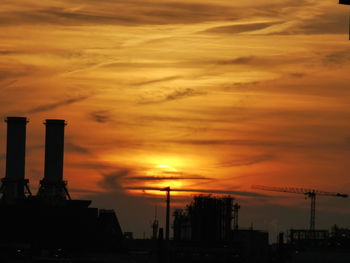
(203, 233)
(307, 246)
(49, 224)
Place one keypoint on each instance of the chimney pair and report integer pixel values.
(14, 185)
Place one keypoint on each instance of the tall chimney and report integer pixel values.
(54, 147)
(53, 187)
(13, 185)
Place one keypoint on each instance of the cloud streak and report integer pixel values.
(205, 191)
(265, 143)
(164, 178)
(148, 12)
(58, 104)
(154, 81)
(100, 116)
(172, 96)
(239, 28)
(251, 160)
(73, 147)
(111, 181)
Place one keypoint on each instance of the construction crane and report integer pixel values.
(236, 208)
(346, 2)
(311, 193)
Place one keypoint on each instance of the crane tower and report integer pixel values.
(311, 193)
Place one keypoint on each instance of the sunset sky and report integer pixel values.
(211, 94)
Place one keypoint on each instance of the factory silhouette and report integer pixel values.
(50, 220)
(52, 227)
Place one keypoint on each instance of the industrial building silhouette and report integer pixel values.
(207, 223)
(49, 220)
(205, 212)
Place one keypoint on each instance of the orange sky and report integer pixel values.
(211, 94)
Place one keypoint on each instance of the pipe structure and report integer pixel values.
(53, 187)
(14, 184)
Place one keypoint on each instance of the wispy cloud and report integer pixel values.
(54, 105)
(111, 181)
(108, 13)
(73, 147)
(102, 116)
(14, 70)
(206, 191)
(239, 28)
(162, 178)
(267, 143)
(239, 60)
(153, 81)
(338, 58)
(169, 175)
(248, 160)
(174, 95)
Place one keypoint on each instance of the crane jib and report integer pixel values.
(310, 193)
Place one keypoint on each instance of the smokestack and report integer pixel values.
(52, 186)
(14, 184)
(54, 147)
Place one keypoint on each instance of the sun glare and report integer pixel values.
(161, 172)
(165, 175)
(163, 166)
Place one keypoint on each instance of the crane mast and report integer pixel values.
(310, 193)
(312, 196)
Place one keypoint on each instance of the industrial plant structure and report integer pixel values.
(206, 223)
(50, 219)
(205, 219)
